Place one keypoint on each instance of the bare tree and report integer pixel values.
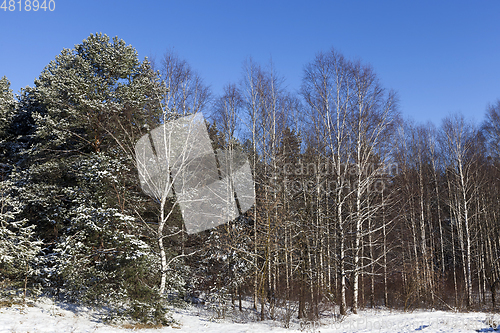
(491, 129)
(327, 91)
(354, 117)
(187, 94)
(458, 140)
(372, 121)
(171, 152)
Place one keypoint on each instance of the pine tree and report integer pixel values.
(8, 107)
(7, 104)
(77, 183)
(18, 245)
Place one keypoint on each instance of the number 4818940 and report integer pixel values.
(29, 5)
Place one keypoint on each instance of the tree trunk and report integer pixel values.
(163, 256)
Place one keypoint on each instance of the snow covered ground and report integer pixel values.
(45, 316)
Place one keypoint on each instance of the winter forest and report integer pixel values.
(355, 207)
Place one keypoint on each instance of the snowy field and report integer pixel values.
(45, 316)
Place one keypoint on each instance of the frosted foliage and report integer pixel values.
(178, 157)
(6, 102)
(18, 246)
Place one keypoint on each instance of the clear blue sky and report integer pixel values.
(440, 56)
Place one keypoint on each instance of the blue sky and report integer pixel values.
(441, 57)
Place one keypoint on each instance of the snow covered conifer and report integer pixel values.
(83, 193)
(7, 104)
(18, 245)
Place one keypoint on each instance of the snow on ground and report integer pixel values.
(46, 316)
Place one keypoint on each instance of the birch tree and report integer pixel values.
(187, 93)
(372, 121)
(458, 140)
(327, 91)
(491, 129)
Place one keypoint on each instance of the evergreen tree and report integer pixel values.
(7, 104)
(18, 245)
(76, 181)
